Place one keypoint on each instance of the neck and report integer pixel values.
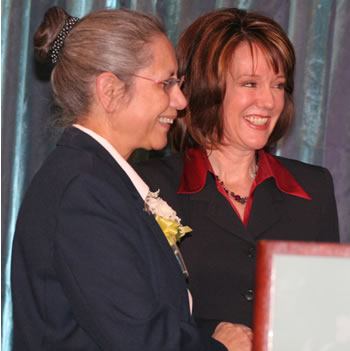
(102, 128)
(233, 167)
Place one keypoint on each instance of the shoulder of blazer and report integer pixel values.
(75, 156)
(164, 173)
(312, 178)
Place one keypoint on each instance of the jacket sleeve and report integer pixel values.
(106, 260)
(329, 227)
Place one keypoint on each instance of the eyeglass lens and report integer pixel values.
(172, 82)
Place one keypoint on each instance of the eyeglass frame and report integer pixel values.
(167, 83)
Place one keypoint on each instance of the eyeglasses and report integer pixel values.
(167, 83)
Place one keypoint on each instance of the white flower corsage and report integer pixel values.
(169, 222)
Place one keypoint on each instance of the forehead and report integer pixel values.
(251, 58)
(163, 56)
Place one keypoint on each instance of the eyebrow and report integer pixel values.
(256, 75)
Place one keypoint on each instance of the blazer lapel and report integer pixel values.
(75, 138)
(220, 211)
(267, 208)
(159, 236)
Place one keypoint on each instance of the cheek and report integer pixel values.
(158, 103)
(236, 97)
(153, 97)
(165, 101)
(233, 105)
(280, 101)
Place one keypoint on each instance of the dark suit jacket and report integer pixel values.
(220, 252)
(90, 269)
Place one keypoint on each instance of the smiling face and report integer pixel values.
(253, 101)
(143, 121)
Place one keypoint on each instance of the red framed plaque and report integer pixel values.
(302, 296)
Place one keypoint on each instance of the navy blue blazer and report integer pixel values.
(220, 251)
(90, 269)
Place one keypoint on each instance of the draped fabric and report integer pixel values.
(320, 135)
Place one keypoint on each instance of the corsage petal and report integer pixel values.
(169, 222)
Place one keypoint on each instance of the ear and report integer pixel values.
(108, 89)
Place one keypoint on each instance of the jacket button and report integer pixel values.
(251, 252)
(249, 295)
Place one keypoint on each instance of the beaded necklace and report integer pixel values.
(237, 197)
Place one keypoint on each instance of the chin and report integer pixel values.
(159, 146)
(257, 143)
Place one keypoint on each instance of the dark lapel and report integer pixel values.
(267, 207)
(75, 138)
(219, 210)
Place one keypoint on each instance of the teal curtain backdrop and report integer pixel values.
(320, 135)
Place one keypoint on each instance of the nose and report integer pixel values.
(266, 98)
(177, 98)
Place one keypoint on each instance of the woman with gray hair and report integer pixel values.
(91, 266)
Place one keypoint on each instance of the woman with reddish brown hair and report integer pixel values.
(238, 69)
